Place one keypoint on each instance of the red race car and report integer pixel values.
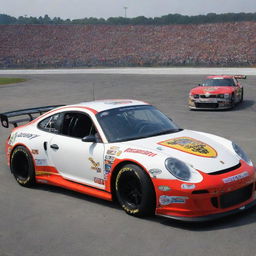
(217, 92)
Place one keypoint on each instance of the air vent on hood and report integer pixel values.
(226, 170)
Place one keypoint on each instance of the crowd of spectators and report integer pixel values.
(219, 44)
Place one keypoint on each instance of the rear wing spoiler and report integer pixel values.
(26, 115)
(240, 77)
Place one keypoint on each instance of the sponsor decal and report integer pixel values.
(139, 151)
(165, 200)
(29, 136)
(107, 168)
(42, 181)
(95, 165)
(109, 159)
(164, 188)
(99, 181)
(155, 172)
(159, 148)
(236, 177)
(188, 186)
(191, 146)
(41, 162)
(114, 151)
(12, 138)
(35, 151)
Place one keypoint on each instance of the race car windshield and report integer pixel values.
(134, 122)
(219, 82)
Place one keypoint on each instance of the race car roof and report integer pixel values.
(220, 77)
(102, 105)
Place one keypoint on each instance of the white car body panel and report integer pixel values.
(72, 159)
(73, 162)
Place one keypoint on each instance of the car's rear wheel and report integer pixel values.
(22, 166)
(135, 191)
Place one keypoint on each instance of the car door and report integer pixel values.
(77, 160)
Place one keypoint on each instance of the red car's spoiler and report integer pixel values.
(240, 77)
(29, 115)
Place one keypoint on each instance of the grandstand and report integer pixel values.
(38, 46)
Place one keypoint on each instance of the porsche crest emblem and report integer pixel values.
(191, 146)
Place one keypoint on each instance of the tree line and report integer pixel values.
(140, 20)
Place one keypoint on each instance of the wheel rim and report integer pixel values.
(21, 166)
(129, 188)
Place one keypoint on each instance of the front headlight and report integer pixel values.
(195, 96)
(242, 154)
(178, 169)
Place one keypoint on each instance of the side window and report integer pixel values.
(77, 125)
(51, 124)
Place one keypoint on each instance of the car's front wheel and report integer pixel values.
(232, 101)
(22, 166)
(135, 191)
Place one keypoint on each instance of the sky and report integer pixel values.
(75, 9)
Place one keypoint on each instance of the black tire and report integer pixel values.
(134, 191)
(232, 101)
(22, 166)
(242, 96)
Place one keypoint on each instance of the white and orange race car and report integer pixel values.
(129, 150)
(217, 92)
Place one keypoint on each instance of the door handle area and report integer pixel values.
(54, 146)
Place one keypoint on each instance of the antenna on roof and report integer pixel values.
(93, 89)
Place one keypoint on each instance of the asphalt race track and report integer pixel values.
(52, 221)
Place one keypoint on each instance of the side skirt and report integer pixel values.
(54, 178)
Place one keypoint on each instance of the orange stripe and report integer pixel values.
(57, 180)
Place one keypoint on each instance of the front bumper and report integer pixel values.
(212, 216)
(210, 199)
(209, 104)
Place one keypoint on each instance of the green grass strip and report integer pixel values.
(9, 80)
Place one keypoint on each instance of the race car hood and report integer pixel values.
(212, 90)
(200, 151)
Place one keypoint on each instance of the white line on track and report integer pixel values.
(134, 71)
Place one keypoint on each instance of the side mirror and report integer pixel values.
(89, 138)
